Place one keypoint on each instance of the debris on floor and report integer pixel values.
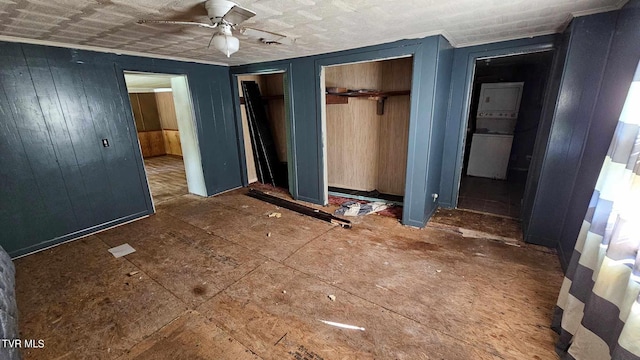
(299, 208)
(355, 208)
(281, 338)
(122, 250)
(392, 210)
(344, 326)
(483, 235)
(475, 225)
(275, 215)
(332, 297)
(133, 273)
(268, 234)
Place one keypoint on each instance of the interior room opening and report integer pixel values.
(264, 115)
(163, 115)
(505, 109)
(366, 114)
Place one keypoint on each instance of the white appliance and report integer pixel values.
(495, 122)
(490, 155)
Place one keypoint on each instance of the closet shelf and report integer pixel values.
(343, 98)
(378, 96)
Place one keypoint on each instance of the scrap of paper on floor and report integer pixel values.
(122, 250)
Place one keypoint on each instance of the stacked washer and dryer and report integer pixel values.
(496, 119)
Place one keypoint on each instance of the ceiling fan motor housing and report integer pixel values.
(216, 9)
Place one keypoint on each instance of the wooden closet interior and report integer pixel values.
(272, 91)
(367, 125)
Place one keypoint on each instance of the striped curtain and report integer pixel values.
(598, 309)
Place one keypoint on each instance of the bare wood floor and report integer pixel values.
(218, 278)
(166, 177)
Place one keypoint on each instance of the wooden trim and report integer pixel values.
(374, 93)
(299, 208)
(333, 99)
(339, 98)
(379, 96)
(141, 131)
(77, 235)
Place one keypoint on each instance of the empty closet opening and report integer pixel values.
(163, 115)
(264, 118)
(366, 126)
(505, 109)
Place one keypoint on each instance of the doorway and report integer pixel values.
(163, 114)
(265, 117)
(507, 96)
(365, 116)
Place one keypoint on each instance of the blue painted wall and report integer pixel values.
(56, 104)
(443, 67)
(429, 96)
(544, 127)
(621, 62)
(589, 41)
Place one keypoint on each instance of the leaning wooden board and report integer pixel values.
(299, 208)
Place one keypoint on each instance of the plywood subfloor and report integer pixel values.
(166, 177)
(217, 278)
(480, 223)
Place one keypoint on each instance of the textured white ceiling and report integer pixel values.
(319, 26)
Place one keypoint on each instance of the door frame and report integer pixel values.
(468, 90)
(142, 172)
(288, 121)
(410, 50)
(323, 116)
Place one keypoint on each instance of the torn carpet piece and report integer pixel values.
(355, 208)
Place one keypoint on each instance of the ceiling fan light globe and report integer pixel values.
(227, 44)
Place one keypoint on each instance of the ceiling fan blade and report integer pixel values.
(238, 14)
(173, 22)
(266, 37)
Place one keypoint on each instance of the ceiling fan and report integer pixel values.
(225, 17)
